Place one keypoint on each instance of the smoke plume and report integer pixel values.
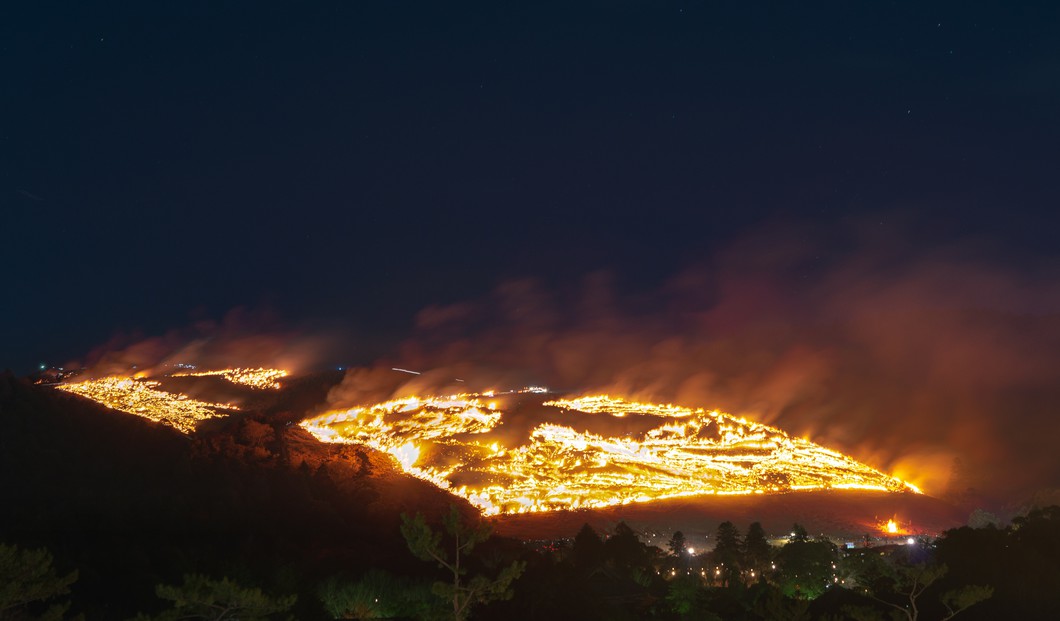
(907, 357)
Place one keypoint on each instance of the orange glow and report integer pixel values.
(460, 444)
(255, 378)
(452, 442)
(142, 398)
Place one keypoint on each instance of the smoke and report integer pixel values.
(904, 356)
(907, 356)
(240, 339)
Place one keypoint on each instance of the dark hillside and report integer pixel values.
(132, 503)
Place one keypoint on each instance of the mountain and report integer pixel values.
(132, 503)
(601, 453)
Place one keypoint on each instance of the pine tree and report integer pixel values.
(376, 595)
(27, 577)
(206, 599)
(678, 546)
(756, 550)
(624, 549)
(588, 550)
(900, 582)
(726, 554)
(427, 545)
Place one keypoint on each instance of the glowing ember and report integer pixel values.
(255, 378)
(140, 397)
(665, 451)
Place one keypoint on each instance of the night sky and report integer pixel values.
(841, 219)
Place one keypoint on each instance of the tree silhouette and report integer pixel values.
(376, 595)
(27, 577)
(200, 597)
(768, 602)
(678, 547)
(900, 582)
(427, 545)
(756, 550)
(686, 597)
(806, 567)
(588, 550)
(624, 549)
(726, 554)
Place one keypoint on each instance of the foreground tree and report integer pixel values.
(427, 545)
(768, 602)
(677, 543)
(805, 568)
(687, 598)
(26, 578)
(376, 595)
(625, 550)
(901, 583)
(587, 553)
(727, 552)
(1021, 562)
(206, 599)
(678, 547)
(757, 552)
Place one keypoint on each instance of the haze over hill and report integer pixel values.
(276, 405)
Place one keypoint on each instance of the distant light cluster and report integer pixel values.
(452, 442)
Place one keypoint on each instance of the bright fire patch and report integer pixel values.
(142, 397)
(255, 378)
(464, 444)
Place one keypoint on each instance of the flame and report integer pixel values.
(141, 397)
(684, 452)
(892, 527)
(452, 442)
(255, 378)
(407, 454)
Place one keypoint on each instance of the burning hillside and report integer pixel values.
(464, 444)
(255, 378)
(523, 452)
(145, 397)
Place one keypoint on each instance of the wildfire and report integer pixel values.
(679, 451)
(255, 378)
(893, 527)
(464, 444)
(141, 397)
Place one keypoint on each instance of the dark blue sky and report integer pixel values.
(350, 163)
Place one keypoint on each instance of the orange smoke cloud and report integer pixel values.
(240, 339)
(904, 358)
